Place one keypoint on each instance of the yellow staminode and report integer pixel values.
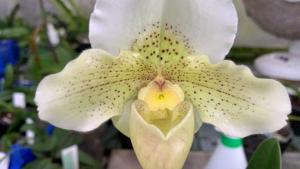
(161, 94)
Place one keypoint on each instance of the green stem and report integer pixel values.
(76, 7)
(11, 18)
(45, 20)
(33, 46)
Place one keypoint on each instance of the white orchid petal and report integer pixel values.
(155, 149)
(90, 90)
(114, 25)
(230, 97)
(210, 26)
(121, 122)
(207, 27)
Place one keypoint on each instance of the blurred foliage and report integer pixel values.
(46, 148)
(39, 58)
(71, 15)
(71, 22)
(12, 27)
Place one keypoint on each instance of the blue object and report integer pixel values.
(20, 156)
(2, 67)
(9, 54)
(50, 129)
(24, 83)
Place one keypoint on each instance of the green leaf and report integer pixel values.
(13, 33)
(39, 146)
(7, 140)
(9, 76)
(5, 107)
(5, 143)
(31, 127)
(248, 54)
(45, 164)
(5, 95)
(12, 16)
(266, 156)
(65, 12)
(86, 159)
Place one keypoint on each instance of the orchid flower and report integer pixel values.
(156, 69)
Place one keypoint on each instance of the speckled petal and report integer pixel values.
(122, 122)
(91, 89)
(230, 97)
(206, 26)
(158, 150)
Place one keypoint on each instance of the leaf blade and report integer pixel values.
(266, 156)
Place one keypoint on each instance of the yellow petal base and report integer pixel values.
(161, 94)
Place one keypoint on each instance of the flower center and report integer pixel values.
(160, 104)
(161, 94)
